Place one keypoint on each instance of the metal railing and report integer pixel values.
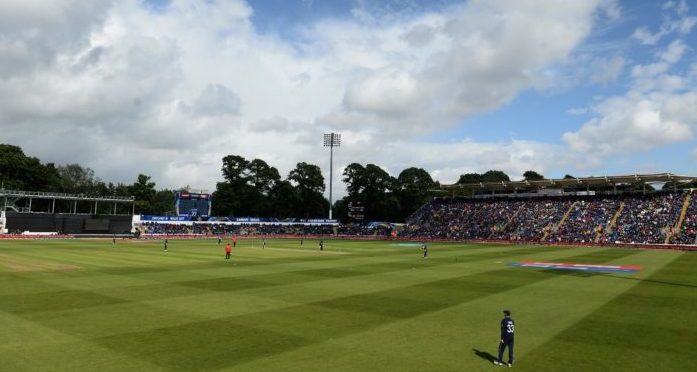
(63, 196)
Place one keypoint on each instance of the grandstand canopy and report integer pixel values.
(10, 200)
(576, 182)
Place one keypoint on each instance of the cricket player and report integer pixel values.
(424, 248)
(166, 243)
(228, 251)
(321, 245)
(507, 332)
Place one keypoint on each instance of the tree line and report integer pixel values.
(253, 188)
(21, 172)
(249, 188)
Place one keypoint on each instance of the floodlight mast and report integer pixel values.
(331, 140)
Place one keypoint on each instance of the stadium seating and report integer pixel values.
(535, 219)
(607, 219)
(632, 218)
(687, 234)
(646, 219)
(260, 229)
(587, 220)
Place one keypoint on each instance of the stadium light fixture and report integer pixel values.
(331, 140)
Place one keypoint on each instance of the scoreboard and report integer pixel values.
(356, 211)
(192, 204)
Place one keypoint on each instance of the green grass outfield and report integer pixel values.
(374, 306)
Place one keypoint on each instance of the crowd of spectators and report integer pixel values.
(534, 219)
(644, 219)
(216, 229)
(639, 219)
(688, 232)
(164, 228)
(463, 219)
(364, 230)
(588, 219)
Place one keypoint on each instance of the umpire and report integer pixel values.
(507, 333)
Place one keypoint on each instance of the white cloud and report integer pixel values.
(674, 52)
(216, 100)
(611, 8)
(607, 70)
(646, 37)
(657, 110)
(675, 20)
(650, 70)
(123, 89)
(635, 123)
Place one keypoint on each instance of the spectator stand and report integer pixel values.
(593, 210)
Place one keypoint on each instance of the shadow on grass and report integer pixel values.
(484, 355)
(588, 274)
(653, 281)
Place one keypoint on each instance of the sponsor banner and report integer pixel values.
(578, 266)
(319, 220)
(276, 221)
(249, 219)
(146, 217)
(192, 195)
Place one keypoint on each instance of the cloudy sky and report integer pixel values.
(168, 87)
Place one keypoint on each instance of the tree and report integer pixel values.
(247, 188)
(569, 177)
(532, 176)
(377, 180)
(163, 202)
(261, 176)
(285, 199)
(310, 189)
(354, 178)
(18, 171)
(76, 179)
(495, 176)
(340, 209)
(225, 201)
(413, 185)
(307, 177)
(469, 178)
(144, 193)
(235, 169)
(230, 195)
(372, 186)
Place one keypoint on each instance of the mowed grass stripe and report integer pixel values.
(298, 326)
(56, 298)
(295, 277)
(201, 274)
(28, 346)
(643, 329)
(447, 338)
(418, 274)
(307, 297)
(164, 291)
(327, 289)
(71, 299)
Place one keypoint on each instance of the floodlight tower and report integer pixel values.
(331, 140)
